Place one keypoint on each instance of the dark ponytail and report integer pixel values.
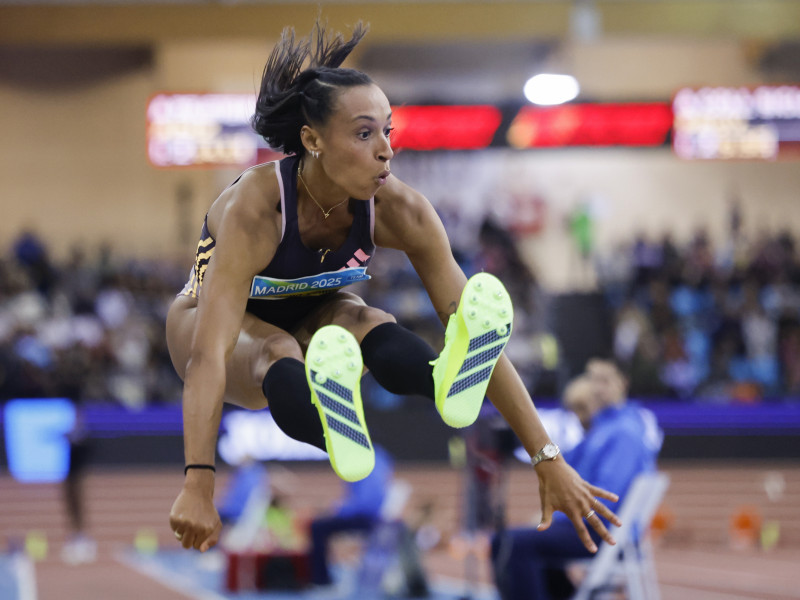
(292, 96)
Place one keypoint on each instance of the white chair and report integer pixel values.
(629, 564)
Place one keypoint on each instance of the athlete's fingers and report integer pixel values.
(547, 516)
(601, 508)
(597, 491)
(199, 540)
(202, 534)
(583, 533)
(212, 540)
(607, 514)
(188, 538)
(177, 525)
(600, 528)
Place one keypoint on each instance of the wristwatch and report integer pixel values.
(549, 452)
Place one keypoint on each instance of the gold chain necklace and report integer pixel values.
(325, 213)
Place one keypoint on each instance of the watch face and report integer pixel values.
(550, 451)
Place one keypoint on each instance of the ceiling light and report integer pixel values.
(548, 89)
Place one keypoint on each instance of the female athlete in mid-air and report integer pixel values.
(265, 318)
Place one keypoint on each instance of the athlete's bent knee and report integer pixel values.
(370, 317)
(279, 346)
(272, 349)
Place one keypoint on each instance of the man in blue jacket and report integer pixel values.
(621, 441)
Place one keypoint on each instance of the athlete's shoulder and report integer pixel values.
(399, 197)
(256, 190)
(404, 219)
(260, 180)
(252, 200)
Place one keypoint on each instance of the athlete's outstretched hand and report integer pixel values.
(194, 518)
(561, 488)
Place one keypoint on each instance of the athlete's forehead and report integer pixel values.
(363, 103)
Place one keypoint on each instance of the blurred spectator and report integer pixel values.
(790, 355)
(646, 260)
(699, 260)
(499, 256)
(671, 260)
(79, 547)
(31, 255)
(622, 440)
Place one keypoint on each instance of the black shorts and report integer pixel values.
(287, 313)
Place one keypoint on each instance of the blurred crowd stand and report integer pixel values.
(714, 324)
(690, 321)
(90, 328)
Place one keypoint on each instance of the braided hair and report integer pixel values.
(292, 96)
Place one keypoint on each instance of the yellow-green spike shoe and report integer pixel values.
(333, 370)
(473, 341)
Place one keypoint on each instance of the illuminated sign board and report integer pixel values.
(628, 124)
(36, 432)
(255, 435)
(213, 130)
(737, 123)
(201, 130)
(444, 127)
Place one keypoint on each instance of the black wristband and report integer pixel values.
(209, 467)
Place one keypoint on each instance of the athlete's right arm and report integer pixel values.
(243, 227)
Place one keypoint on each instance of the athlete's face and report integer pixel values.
(354, 143)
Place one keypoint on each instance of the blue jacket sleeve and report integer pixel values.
(622, 458)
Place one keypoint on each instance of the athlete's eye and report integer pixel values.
(364, 135)
(388, 131)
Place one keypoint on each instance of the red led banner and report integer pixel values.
(630, 124)
(444, 127)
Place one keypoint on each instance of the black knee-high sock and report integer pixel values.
(399, 360)
(289, 396)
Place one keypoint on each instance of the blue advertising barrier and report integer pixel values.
(37, 447)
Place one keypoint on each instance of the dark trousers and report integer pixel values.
(322, 530)
(529, 564)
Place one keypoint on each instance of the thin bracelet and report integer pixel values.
(209, 467)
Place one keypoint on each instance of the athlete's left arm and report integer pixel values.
(406, 221)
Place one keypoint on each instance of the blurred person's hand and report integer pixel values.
(194, 518)
(561, 488)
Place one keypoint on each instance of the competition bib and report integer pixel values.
(266, 288)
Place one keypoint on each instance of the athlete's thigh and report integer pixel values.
(346, 310)
(258, 346)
